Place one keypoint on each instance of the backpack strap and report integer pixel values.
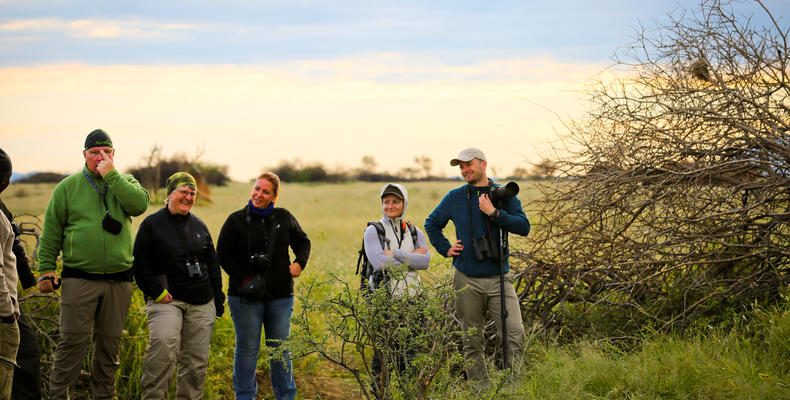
(413, 231)
(361, 255)
(380, 231)
(382, 239)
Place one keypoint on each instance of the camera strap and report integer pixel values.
(182, 232)
(102, 193)
(268, 239)
(399, 232)
(469, 208)
(489, 236)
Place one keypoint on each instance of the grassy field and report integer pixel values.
(749, 361)
(334, 217)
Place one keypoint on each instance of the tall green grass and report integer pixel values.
(750, 361)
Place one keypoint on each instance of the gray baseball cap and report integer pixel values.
(466, 155)
(392, 189)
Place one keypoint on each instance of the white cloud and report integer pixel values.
(97, 28)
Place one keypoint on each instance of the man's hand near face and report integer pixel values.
(106, 165)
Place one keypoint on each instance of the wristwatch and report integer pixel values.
(51, 278)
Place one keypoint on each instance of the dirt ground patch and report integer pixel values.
(329, 384)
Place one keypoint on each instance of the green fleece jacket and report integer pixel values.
(73, 223)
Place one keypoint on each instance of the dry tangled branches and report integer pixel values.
(676, 204)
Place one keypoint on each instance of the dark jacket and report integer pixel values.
(26, 277)
(245, 233)
(456, 206)
(164, 243)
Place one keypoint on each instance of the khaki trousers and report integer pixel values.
(482, 297)
(9, 343)
(178, 332)
(89, 306)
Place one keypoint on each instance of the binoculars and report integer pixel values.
(483, 247)
(193, 268)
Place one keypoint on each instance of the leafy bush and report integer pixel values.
(416, 337)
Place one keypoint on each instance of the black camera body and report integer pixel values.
(500, 194)
(111, 224)
(260, 261)
(193, 268)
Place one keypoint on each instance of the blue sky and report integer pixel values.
(456, 32)
(322, 81)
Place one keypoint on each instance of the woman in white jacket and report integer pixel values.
(395, 256)
(398, 247)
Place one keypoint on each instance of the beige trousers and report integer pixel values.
(178, 332)
(9, 344)
(482, 297)
(89, 306)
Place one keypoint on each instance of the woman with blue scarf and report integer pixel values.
(253, 251)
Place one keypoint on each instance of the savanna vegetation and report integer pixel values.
(657, 266)
(676, 205)
(747, 358)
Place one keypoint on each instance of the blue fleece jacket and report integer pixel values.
(455, 206)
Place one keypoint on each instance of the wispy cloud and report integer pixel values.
(97, 29)
(421, 67)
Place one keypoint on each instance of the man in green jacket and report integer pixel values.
(88, 222)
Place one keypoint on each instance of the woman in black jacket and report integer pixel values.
(253, 251)
(177, 269)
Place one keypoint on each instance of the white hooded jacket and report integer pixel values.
(399, 240)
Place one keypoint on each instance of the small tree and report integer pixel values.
(544, 168)
(520, 173)
(425, 163)
(156, 169)
(369, 163)
(409, 173)
(418, 331)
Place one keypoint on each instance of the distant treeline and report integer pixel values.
(315, 172)
(155, 169)
(290, 171)
(42, 177)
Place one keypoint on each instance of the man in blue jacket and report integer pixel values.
(476, 267)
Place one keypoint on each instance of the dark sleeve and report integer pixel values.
(436, 222)
(26, 277)
(144, 272)
(299, 242)
(228, 245)
(214, 272)
(512, 218)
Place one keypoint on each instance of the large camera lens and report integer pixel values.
(502, 193)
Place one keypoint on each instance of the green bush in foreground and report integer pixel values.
(417, 332)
